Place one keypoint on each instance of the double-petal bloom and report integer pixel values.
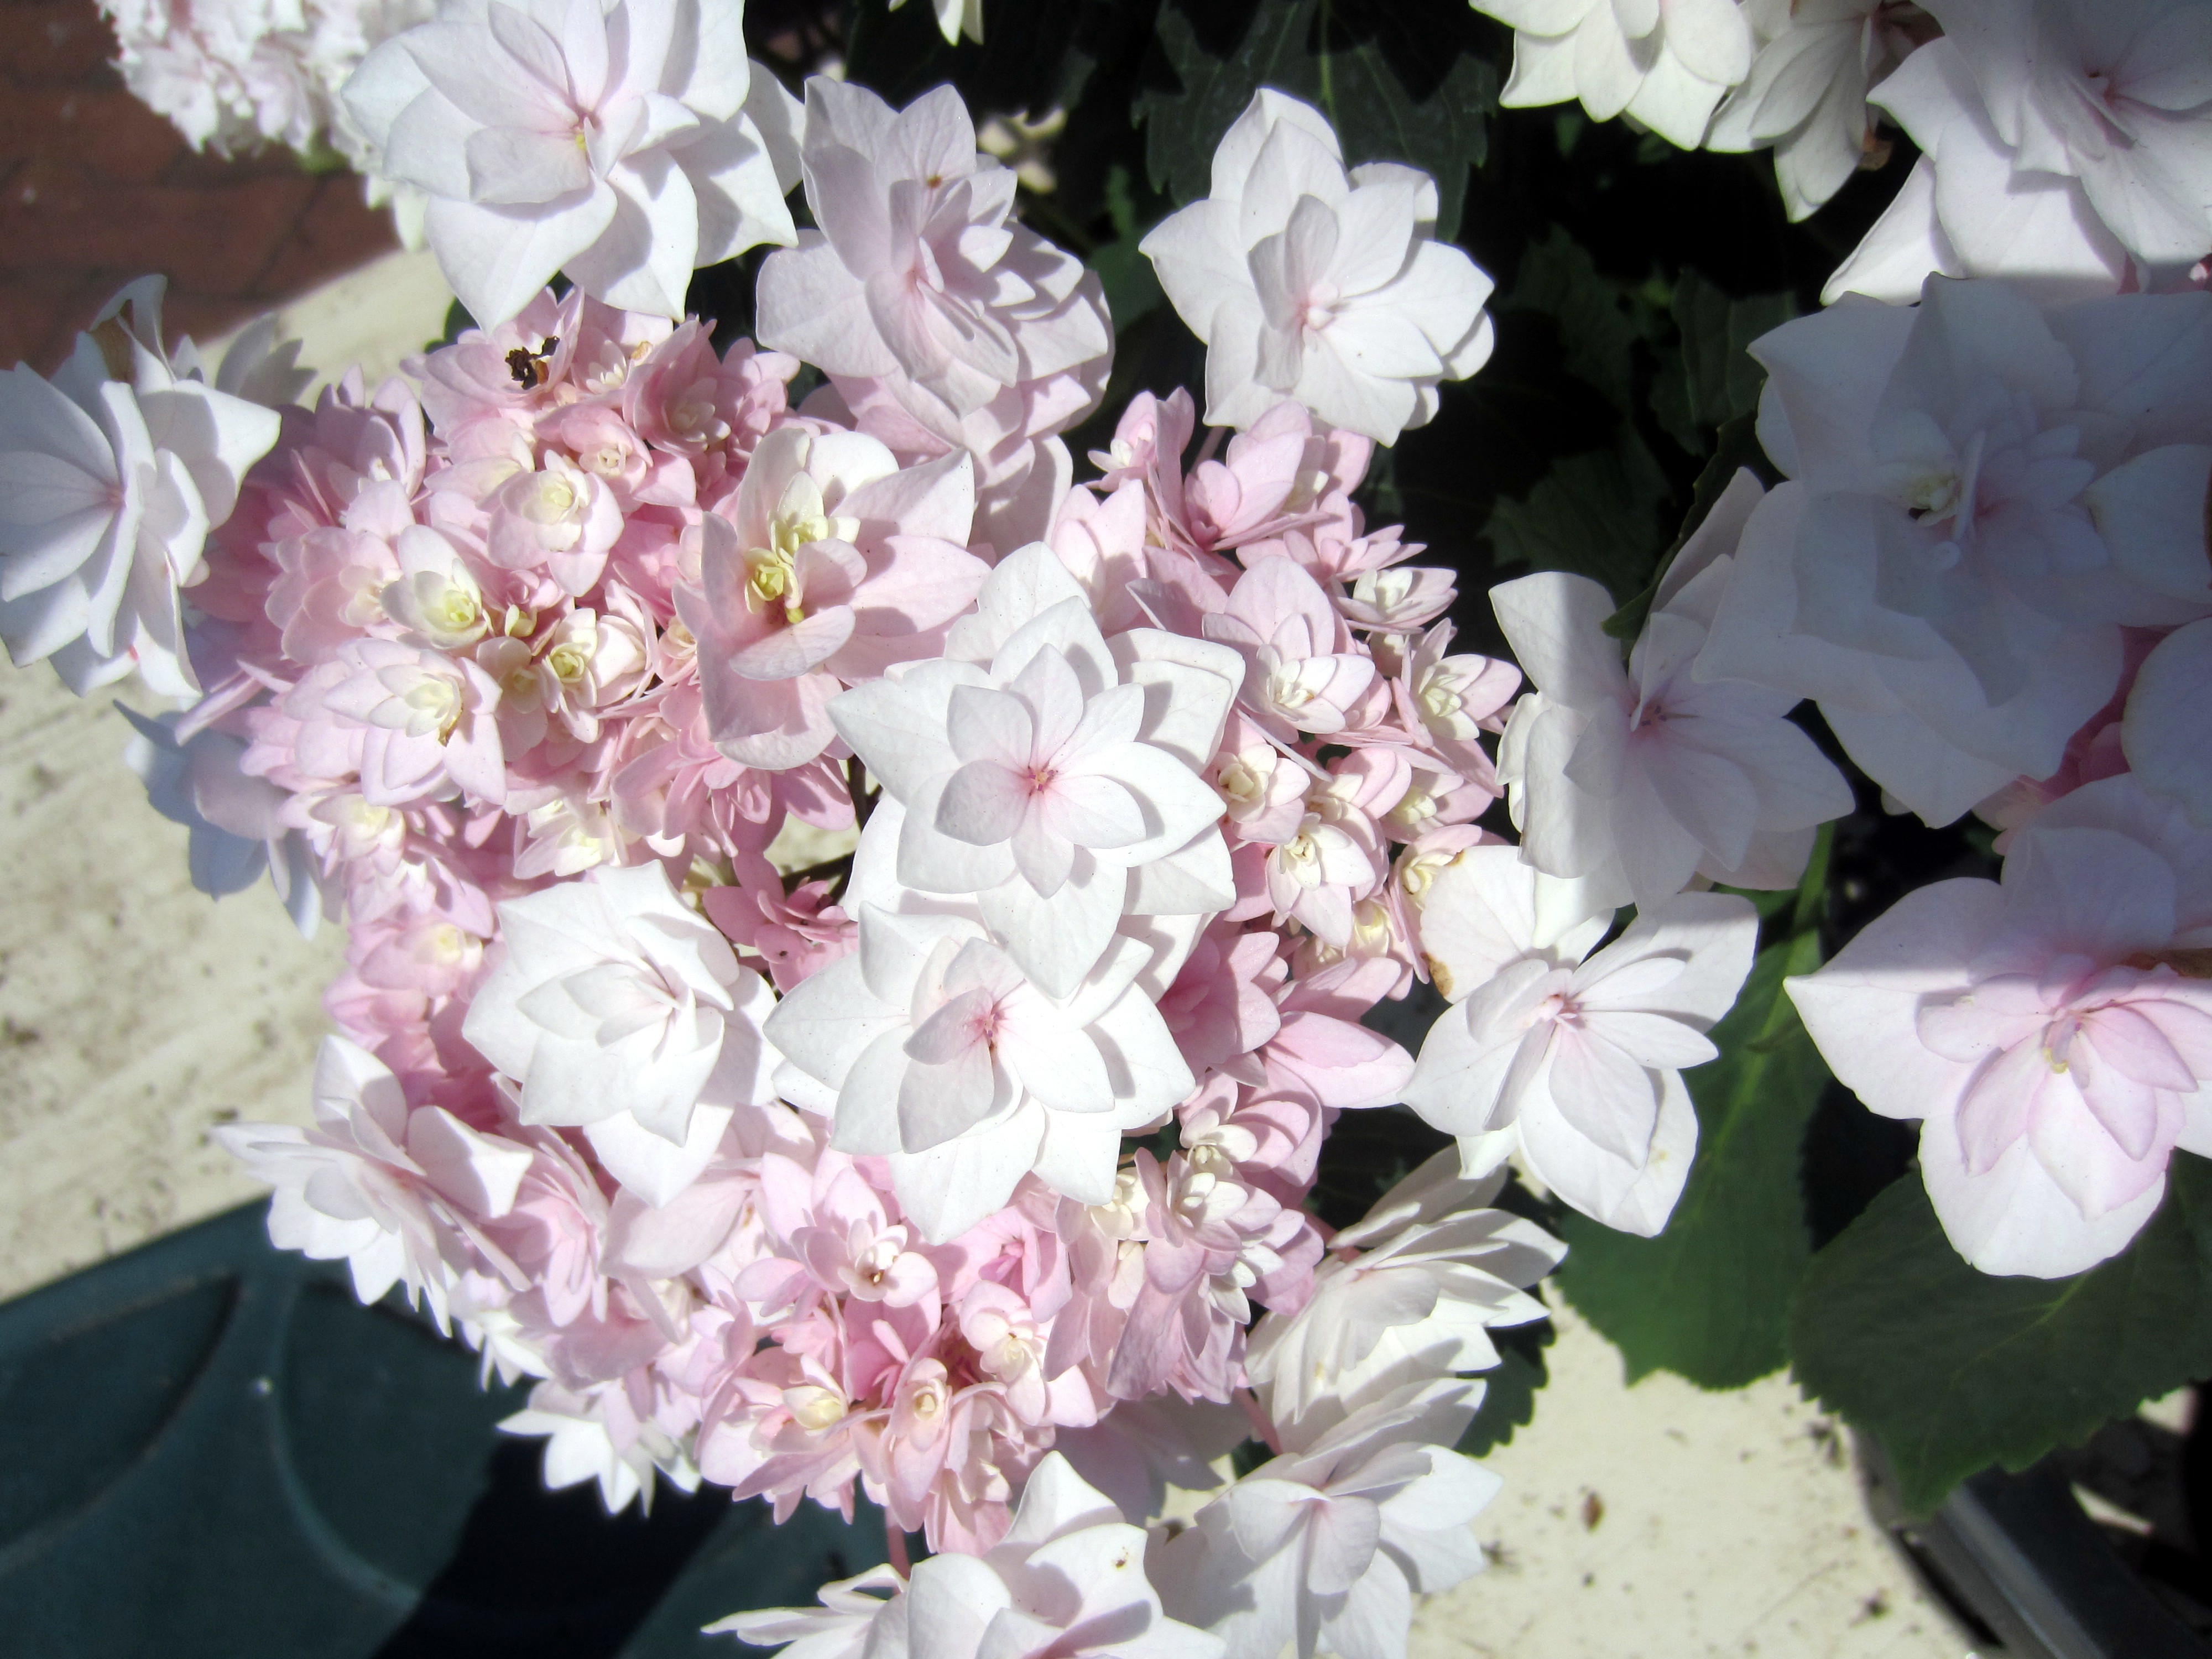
(1576, 1058)
(1436, 1269)
(1632, 780)
(111, 475)
(1983, 493)
(1067, 1579)
(1664, 63)
(621, 144)
(1325, 1545)
(2049, 1031)
(1309, 282)
(386, 1189)
(836, 565)
(1053, 774)
(621, 1012)
(1806, 92)
(942, 321)
(931, 1047)
(916, 271)
(2063, 144)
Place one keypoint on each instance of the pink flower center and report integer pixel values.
(1560, 1009)
(982, 1026)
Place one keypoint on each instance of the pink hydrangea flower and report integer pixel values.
(983, 335)
(2048, 1031)
(1301, 673)
(413, 722)
(838, 563)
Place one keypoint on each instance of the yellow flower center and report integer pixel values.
(569, 662)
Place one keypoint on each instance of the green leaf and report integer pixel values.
(1599, 319)
(1953, 1369)
(1735, 446)
(1596, 515)
(1713, 379)
(1597, 512)
(1709, 1297)
(1132, 287)
(458, 323)
(1399, 80)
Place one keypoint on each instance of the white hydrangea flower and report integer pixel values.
(1435, 1271)
(1806, 96)
(931, 1048)
(234, 74)
(1052, 773)
(2063, 142)
(1664, 63)
(1067, 1579)
(621, 1011)
(580, 1446)
(841, 1627)
(233, 818)
(624, 145)
(1572, 1059)
(381, 1186)
(2048, 1031)
(111, 475)
(1634, 780)
(1982, 494)
(1325, 1545)
(2163, 730)
(1309, 282)
(917, 277)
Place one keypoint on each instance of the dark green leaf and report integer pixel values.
(1399, 80)
(1953, 1369)
(1595, 514)
(458, 323)
(1735, 446)
(1709, 1297)
(1713, 379)
(1599, 319)
(1132, 288)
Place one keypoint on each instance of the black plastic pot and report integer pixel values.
(2026, 1571)
(210, 1450)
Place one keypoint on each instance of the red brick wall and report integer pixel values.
(96, 189)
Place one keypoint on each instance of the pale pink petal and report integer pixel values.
(984, 803)
(1604, 1093)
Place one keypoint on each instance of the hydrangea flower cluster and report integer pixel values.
(235, 75)
(2061, 142)
(854, 944)
(1986, 565)
(857, 941)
